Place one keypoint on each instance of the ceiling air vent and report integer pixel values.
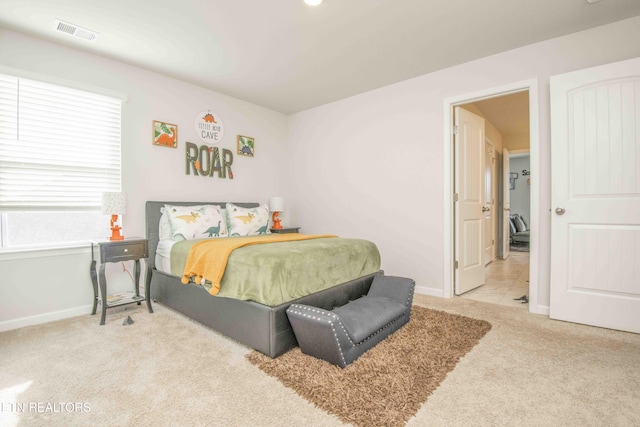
(75, 30)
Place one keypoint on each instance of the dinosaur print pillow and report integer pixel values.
(247, 221)
(196, 222)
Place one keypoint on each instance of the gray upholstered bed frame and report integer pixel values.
(258, 326)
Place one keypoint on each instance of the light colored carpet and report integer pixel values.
(167, 370)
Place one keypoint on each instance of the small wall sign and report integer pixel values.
(246, 145)
(209, 127)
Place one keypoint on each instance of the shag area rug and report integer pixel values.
(387, 385)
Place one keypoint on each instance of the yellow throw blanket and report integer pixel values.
(208, 259)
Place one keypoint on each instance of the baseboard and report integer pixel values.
(38, 319)
(542, 309)
(433, 292)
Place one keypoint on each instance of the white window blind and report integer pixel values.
(59, 147)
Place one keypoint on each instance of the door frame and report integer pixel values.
(494, 200)
(506, 180)
(517, 153)
(534, 146)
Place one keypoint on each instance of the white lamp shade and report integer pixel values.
(276, 204)
(114, 203)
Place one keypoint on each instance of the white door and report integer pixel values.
(595, 196)
(488, 207)
(506, 202)
(469, 186)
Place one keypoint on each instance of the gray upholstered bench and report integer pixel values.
(343, 334)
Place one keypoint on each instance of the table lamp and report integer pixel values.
(114, 204)
(276, 205)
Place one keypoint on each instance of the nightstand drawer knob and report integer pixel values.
(126, 250)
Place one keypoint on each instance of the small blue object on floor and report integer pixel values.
(127, 321)
(343, 334)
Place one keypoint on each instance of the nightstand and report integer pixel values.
(285, 230)
(129, 249)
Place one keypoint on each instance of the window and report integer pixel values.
(59, 150)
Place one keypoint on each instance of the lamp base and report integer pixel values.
(115, 229)
(276, 221)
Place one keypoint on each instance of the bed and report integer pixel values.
(262, 327)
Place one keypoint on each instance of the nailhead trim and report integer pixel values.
(331, 323)
(335, 336)
(410, 296)
(313, 310)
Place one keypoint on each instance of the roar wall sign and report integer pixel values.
(209, 127)
(208, 161)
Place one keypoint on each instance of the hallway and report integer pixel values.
(505, 280)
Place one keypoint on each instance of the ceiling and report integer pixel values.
(509, 114)
(289, 57)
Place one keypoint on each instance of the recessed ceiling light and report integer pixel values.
(75, 30)
(312, 2)
(592, 1)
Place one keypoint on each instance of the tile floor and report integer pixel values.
(505, 280)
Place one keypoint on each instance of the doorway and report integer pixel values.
(507, 277)
(507, 282)
(493, 96)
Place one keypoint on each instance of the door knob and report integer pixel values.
(560, 211)
(485, 209)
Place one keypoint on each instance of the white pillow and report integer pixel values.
(512, 226)
(164, 227)
(196, 222)
(519, 223)
(247, 221)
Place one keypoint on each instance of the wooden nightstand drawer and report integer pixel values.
(286, 230)
(124, 251)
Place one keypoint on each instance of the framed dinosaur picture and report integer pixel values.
(165, 134)
(246, 145)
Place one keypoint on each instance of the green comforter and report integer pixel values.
(274, 273)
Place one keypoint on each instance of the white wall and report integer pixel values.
(54, 285)
(372, 165)
(32, 285)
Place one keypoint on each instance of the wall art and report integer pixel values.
(209, 127)
(246, 146)
(165, 134)
(208, 161)
(512, 180)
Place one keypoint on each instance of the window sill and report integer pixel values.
(45, 251)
